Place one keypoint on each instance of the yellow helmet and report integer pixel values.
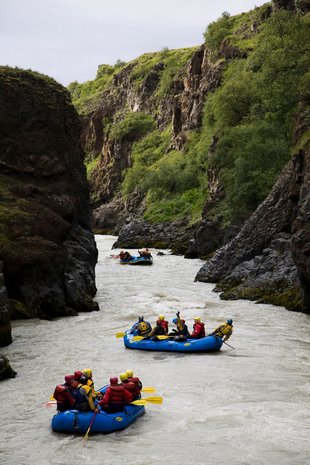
(129, 373)
(197, 318)
(161, 317)
(123, 376)
(87, 372)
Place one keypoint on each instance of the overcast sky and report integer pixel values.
(68, 39)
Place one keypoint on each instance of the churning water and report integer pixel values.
(242, 406)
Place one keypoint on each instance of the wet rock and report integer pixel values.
(6, 371)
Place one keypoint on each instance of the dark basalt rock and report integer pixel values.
(45, 238)
(6, 371)
(269, 259)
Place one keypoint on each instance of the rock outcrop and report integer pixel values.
(6, 371)
(268, 260)
(46, 244)
(5, 321)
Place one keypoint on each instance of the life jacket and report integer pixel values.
(81, 402)
(164, 324)
(137, 384)
(199, 330)
(86, 392)
(130, 387)
(224, 329)
(116, 395)
(64, 397)
(144, 328)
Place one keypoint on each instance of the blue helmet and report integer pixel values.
(230, 321)
(175, 321)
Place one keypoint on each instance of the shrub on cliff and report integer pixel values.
(132, 127)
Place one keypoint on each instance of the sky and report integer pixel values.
(68, 39)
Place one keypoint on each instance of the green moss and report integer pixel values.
(20, 310)
(91, 165)
(11, 207)
(277, 294)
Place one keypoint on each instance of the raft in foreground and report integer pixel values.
(205, 344)
(73, 421)
(137, 261)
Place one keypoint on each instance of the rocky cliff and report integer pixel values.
(183, 146)
(268, 260)
(46, 245)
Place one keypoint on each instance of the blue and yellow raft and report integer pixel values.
(205, 344)
(137, 261)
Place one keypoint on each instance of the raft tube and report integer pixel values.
(74, 421)
(205, 344)
(137, 261)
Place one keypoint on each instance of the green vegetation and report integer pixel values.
(84, 94)
(172, 61)
(246, 135)
(132, 127)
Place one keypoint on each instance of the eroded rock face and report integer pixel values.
(46, 242)
(269, 259)
(5, 321)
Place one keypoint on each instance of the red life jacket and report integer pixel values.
(116, 395)
(131, 387)
(164, 324)
(138, 386)
(199, 330)
(63, 396)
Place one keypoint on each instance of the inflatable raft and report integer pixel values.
(73, 421)
(205, 344)
(137, 261)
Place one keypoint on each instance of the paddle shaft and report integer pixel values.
(228, 345)
(91, 424)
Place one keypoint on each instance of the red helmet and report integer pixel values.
(69, 379)
(113, 381)
(77, 375)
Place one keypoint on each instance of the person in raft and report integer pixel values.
(158, 330)
(181, 333)
(224, 331)
(130, 385)
(63, 394)
(135, 380)
(87, 378)
(145, 253)
(199, 328)
(115, 397)
(141, 328)
(125, 255)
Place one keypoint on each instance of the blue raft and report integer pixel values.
(137, 261)
(205, 344)
(73, 421)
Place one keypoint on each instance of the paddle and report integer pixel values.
(91, 424)
(140, 338)
(148, 389)
(146, 400)
(154, 399)
(228, 345)
(119, 334)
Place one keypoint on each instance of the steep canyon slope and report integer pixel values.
(183, 146)
(46, 245)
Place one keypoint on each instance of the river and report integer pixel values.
(242, 406)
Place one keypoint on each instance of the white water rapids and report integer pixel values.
(242, 406)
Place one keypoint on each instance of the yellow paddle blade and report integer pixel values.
(119, 334)
(139, 402)
(163, 337)
(148, 389)
(52, 397)
(154, 399)
(137, 338)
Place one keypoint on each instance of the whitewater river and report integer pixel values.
(242, 406)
